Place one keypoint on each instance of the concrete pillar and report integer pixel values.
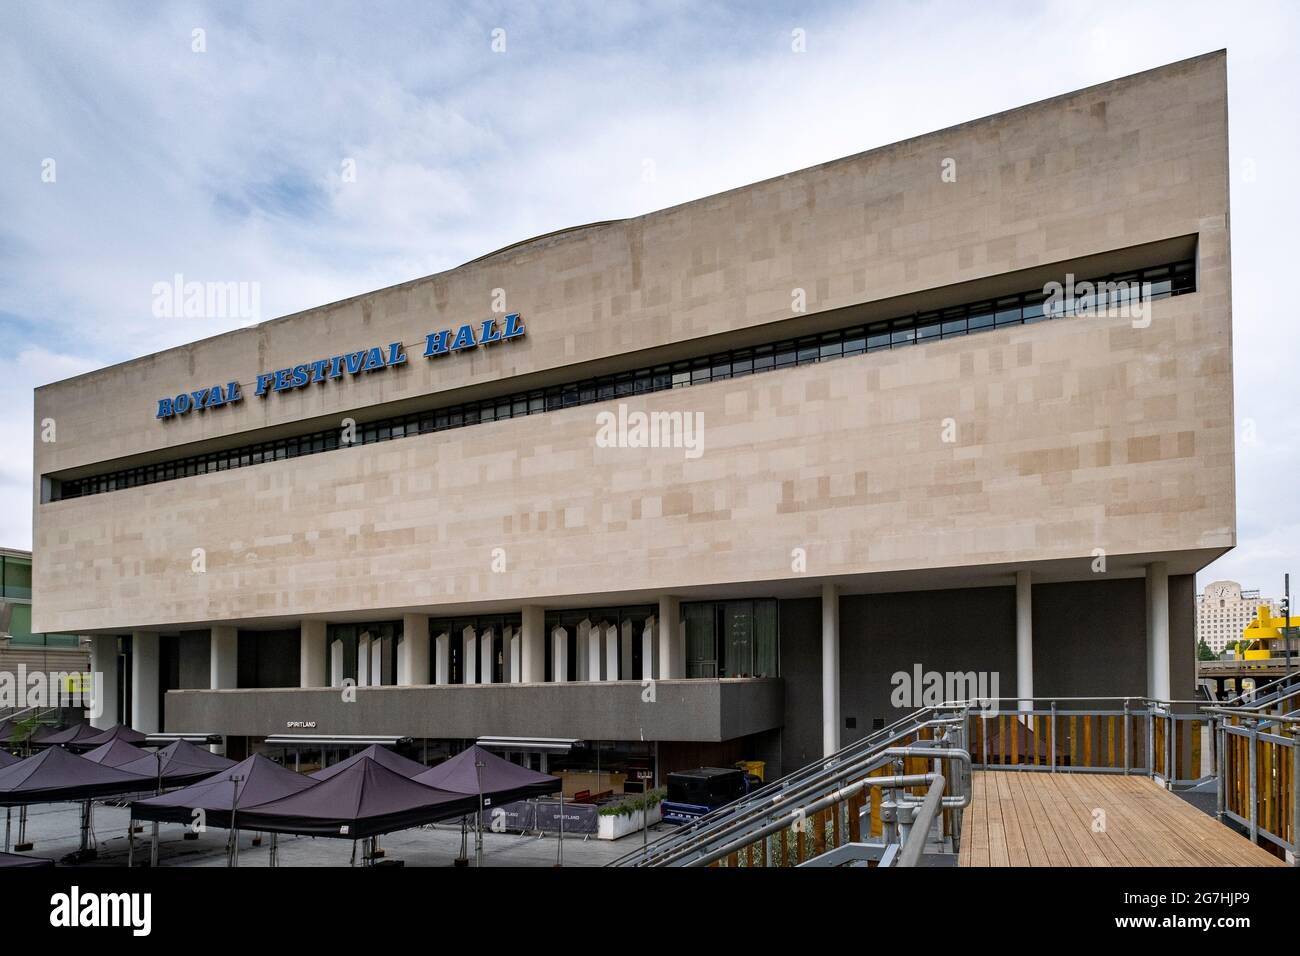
(225, 658)
(514, 642)
(625, 652)
(313, 664)
(469, 656)
(336, 664)
(1158, 630)
(532, 645)
(611, 652)
(103, 667)
(381, 671)
(672, 663)
(442, 658)
(559, 655)
(582, 644)
(413, 652)
(830, 669)
(1024, 640)
(488, 656)
(596, 652)
(649, 650)
(144, 682)
(364, 659)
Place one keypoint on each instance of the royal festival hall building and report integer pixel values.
(709, 484)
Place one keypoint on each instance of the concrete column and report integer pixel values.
(336, 664)
(582, 647)
(1158, 630)
(514, 642)
(442, 658)
(596, 652)
(1024, 640)
(488, 656)
(532, 645)
(559, 655)
(103, 667)
(144, 682)
(469, 656)
(672, 663)
(313, 664)
(364, 659)
(649, 650)
(413, 652)
(225, 658)
(611, 652)
(830, 669)
(381, 671)
(625, 652)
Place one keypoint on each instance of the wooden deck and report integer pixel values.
(1019, 818)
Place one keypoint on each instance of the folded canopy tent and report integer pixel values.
(364, 800)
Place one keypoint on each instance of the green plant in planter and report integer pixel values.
(631, 804)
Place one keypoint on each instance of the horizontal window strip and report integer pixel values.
(1113, 291)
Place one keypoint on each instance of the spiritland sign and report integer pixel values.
(348, 364)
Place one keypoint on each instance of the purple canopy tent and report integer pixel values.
(477, 771)
(180, 763)
(115, 753)
(61, 736)
(7, 759)
(55, 775)
(381, 755)
(13, 859)
(117, 732)
(221, 797)
(365, 800)
(260, 781)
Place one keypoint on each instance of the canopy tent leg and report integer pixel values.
(8, 823)
(234, 848)
(153, 847)
(130, 842)
(85, 826)
(275, 848)
(22, 829)
(353, 861)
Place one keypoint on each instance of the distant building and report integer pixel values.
(18, 645)
(1223, 610)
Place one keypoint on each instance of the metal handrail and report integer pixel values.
(742, 823)
(923, 819)
(832, 767)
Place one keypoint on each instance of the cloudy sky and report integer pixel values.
(225, 163)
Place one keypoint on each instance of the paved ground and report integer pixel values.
(54, 830)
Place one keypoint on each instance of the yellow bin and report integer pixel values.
(756, 767)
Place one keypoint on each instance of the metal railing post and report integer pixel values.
(1128, 718)
(1295, 795)
(1254, 812)
(1151, 739)
(1051, 737)
(1220, 741)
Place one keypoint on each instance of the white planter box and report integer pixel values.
(614, 826)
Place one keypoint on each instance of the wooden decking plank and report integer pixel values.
(1026, 818)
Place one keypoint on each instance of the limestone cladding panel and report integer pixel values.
(1070, 435)
(1123, 163)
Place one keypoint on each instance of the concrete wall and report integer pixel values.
(699, 710)
(1072, 435)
